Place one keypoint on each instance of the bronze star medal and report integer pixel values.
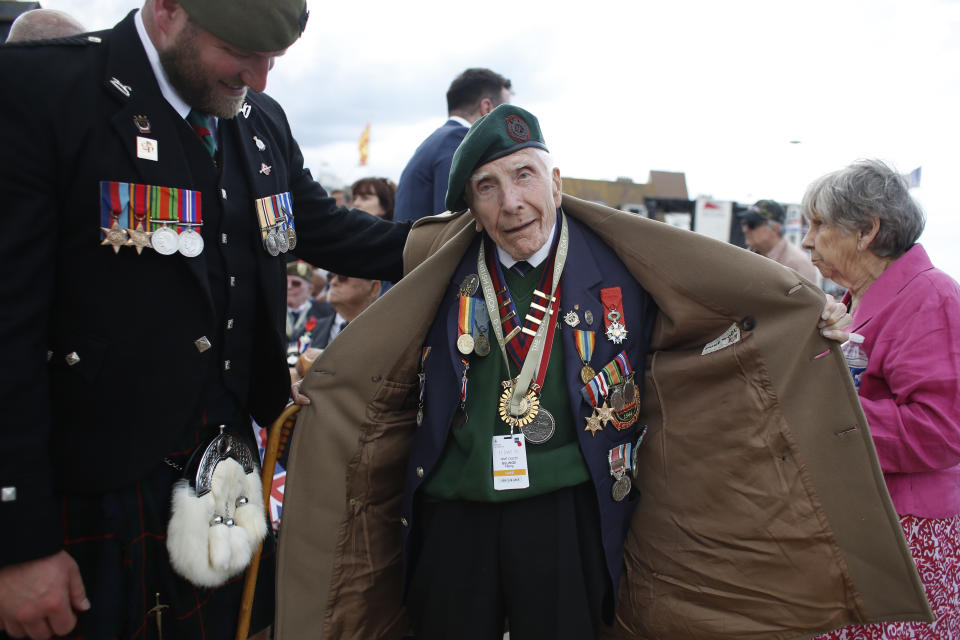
(116, 236)
(604, 414)
(593, 424)
(139, 238)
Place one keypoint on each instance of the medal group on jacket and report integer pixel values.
(169, 219)
(611, 392)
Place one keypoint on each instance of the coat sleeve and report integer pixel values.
(28, 177)
(916, 427)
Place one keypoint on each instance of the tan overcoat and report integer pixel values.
(763, 512)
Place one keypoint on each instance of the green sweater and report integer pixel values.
(465, 470)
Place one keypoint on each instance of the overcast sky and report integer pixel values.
(717, 90)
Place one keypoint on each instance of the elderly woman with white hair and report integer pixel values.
(863, 235)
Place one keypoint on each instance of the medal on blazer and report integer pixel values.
(291, 232)
(519, 404)
(114, 235)
(465, 326)
(138, 237)
(190, 243)
(612, 300)
(469, 285)
(585, 341)
(275, 218)
(619, 461)
(614, 383)
(481, 344)
(163, 209)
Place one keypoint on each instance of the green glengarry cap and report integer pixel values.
(499, 133)
(251, 25)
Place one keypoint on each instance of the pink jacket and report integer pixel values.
(910, 387)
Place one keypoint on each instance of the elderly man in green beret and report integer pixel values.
(157, 192)
(547, 360)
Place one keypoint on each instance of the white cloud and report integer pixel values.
(717, 90)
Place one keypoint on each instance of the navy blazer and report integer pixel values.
(423, 184)
(590, 267)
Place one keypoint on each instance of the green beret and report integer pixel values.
(499, 133)
(251, 25)
(300, 269)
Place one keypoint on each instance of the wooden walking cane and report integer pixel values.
(279, 435)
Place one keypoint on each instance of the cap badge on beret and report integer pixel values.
(517, 129)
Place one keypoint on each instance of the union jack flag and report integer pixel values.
(279, 478)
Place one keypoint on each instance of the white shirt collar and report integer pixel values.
(465, 123)
(171, 95)
(536, 259)
(303, 307)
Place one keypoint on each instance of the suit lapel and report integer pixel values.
(581, 281)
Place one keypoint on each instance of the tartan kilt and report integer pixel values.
(119, 541)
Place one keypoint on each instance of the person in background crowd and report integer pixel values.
(318, 285)
(341, 196)
(43, 24)
(155, 199)
(423, 183)
(762, 225)
(376, 196)
(303, 311)
(347, 298)
(905, 363)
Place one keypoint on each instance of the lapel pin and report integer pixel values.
(147, 148)
(142, 123)
(245, 109)
(122, 88)
(257, 141)
(265, 169)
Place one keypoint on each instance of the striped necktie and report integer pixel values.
(521, 268)
(203, 125)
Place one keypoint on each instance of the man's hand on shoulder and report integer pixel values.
(38, 598)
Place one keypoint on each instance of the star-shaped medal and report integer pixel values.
(593, 424)
(139, 238)
(116, 236)
(604, 414)
(616, 332)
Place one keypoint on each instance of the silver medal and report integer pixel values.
(291, 238)
(588, 317)
(282, 242)
(165, 241)
(621, 486)
(270, 244)
(541, 428)
(481, 346)
(190, 243)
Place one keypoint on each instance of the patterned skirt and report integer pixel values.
(935, 545)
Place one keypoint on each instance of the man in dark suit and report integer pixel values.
(154, 198)
(423, 183)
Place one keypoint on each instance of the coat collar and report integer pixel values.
(892, 281)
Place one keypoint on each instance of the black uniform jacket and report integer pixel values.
(102, 362)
